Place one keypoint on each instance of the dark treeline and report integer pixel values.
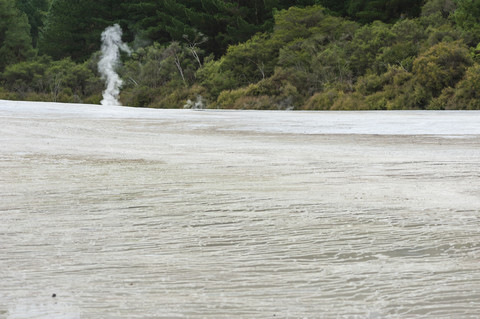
(248, 54)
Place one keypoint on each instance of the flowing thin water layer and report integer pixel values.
(155, 218)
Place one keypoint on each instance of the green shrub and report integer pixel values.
(322, 100)
(466, 95)
(228, 98)
(349, 101)
(441, 66)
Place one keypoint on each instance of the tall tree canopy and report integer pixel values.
(15, 40)
(36, 11)
(467, 17)
(222, 22)
(73, 27)
(385, 10)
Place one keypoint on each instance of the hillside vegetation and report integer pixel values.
(249, 54)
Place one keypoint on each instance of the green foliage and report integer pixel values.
(366, 11)
(466, 94)
(441, 7)
(275, 92)
(323, 100)
(320, 58)
(28, 75)
(368, 41)
(398, 91)
(467, 17)
(388, 91)
(61, 80)
(296, 23)
(333, 64)
(223, 23)
(36, 11)
(443, 65)
(159, 76)
(15, 40)
(251, 61)
(307, 45)
(255, 60)
(438, 68)
(73, 28)
(337, 7)
(240, 99)
(336, 100)
(9, 95)
(249, 54)
(215, 79)
(408, 36)
(67, 76)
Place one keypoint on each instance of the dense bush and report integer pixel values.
(466, 95)
(443, 65)
(335, 55)
(161, 76)
(63, 80)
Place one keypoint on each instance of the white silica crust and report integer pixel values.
(141, 213)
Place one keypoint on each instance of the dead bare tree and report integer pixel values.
(193, 44)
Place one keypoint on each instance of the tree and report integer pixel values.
(368, 42)
(466, 94)
(443, 65)
(36, 11)
(223, 23)
(15, 40)
(366, 11)
(157, 75)
(256, 59)
(337, 6)
(27, 75)
(408, 36)
(73, 27)
(443, 7)
(467, 17)
(318, 55)
(59, 80)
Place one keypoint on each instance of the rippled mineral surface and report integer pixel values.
(111, 212)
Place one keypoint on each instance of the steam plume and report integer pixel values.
(111, 45)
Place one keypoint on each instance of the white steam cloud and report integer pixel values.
(111, 45)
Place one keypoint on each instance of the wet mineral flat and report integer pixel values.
(113, 212)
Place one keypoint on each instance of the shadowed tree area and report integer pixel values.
(36, 11)
(15, 39)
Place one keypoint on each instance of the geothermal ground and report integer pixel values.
(111, 212)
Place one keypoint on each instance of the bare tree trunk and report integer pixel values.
(261, 68)
(195, 55)
(179, 67)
